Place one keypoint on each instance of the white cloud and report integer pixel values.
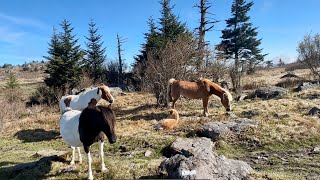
(266, 6)
(22, 21)
(9, 36)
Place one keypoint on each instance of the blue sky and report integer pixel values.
(26, 26)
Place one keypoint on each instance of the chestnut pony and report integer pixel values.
(201, 89)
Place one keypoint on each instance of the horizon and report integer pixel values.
(24, 35)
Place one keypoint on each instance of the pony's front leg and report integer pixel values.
(174, 100)
(73, 155)
(205, 106)
(103, 166)
(80, 157)
(90, 176)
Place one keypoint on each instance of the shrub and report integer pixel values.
(309, 53)
(45, 95)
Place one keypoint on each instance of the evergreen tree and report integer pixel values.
(240, 40)
(12, 82)
(12, 85)
(64, 59)
(171, 27)
(94, 61)
(55, 78)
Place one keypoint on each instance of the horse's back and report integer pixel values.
(192, 90)
(69, 123)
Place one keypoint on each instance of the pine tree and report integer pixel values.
(12, 85)
(171, 28)
(240, 40)
(55, 78)
(64, 59)
(12, 82)
(94, 61)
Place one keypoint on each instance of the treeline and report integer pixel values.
(170, 50)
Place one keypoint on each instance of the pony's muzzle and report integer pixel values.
(228, 109)
(111, 101)
(113, 139)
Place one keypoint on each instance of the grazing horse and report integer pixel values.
(201, 89)
(79, 101)
(87, 127)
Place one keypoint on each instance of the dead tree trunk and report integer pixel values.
(120, 41)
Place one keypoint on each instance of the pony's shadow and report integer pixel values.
(150, 116)
(134, 110)
(36, 135)
(31, 170)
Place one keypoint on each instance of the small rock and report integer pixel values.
(128, 154)
(316, 149)
(314, 111)
(123, 148)
(281, 115)
(250, 113)
(147, 153)
(241, 97)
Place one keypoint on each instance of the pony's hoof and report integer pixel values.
(104, 169)
(90, 177)
(72, 163)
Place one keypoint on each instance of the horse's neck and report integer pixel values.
(218, 92)
(91, 94)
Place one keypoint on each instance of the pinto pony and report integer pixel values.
(201, 89)
(82, 129)
(79, 101)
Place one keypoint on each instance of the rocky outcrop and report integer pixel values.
(266, 93)
(195, 159)
(306, 85)
(220, 130)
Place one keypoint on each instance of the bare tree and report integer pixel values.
(204, 22)
(121, 64)
(176, 60)
(309, 53)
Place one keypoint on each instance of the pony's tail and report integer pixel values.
(169, 90)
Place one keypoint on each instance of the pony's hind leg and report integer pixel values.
(103, 166)
(73, 155)
(205, 106)
(79, 153)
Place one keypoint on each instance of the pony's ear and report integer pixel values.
(101, 84)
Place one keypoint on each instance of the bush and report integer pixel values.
(45, 95)
(309, 53)
(175, 60)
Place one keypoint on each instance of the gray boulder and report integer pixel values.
(195, 159)
(220, 130)
(306, 85)
(268, 93)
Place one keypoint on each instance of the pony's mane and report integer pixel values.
(84, 90)
(228, 94)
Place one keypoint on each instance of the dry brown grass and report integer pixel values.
(37, 128)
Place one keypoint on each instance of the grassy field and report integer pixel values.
(279, 148)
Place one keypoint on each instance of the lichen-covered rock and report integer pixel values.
(268, 93)
(195, 159)
(220, 130)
